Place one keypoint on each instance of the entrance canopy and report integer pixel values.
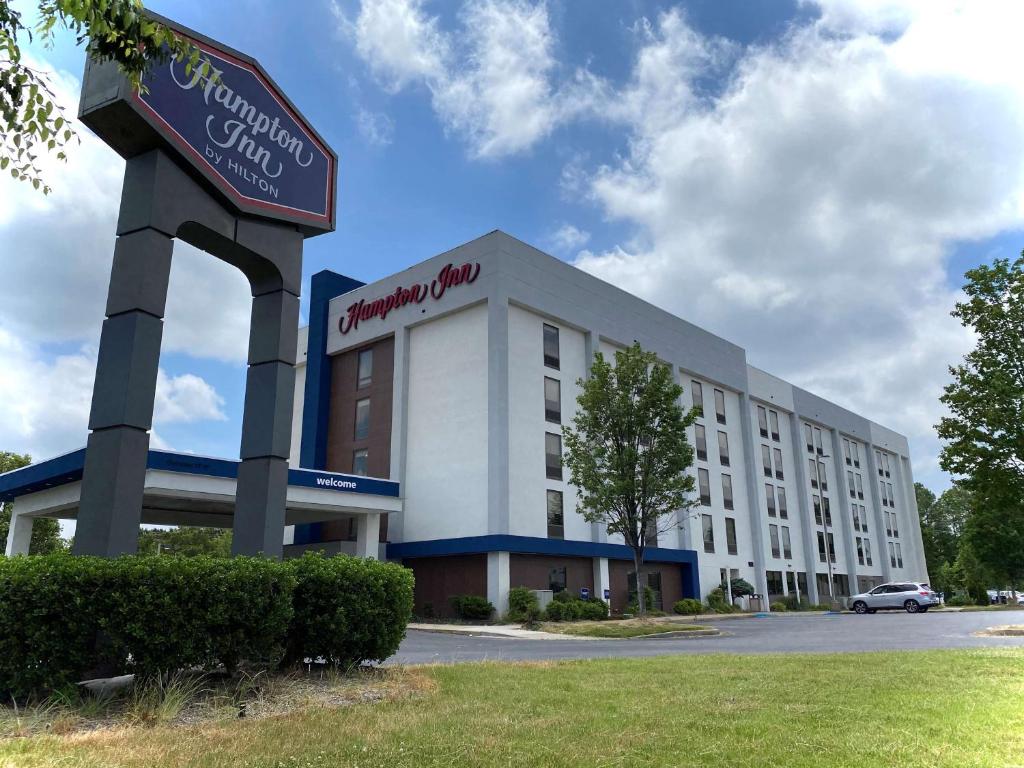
(182, 489)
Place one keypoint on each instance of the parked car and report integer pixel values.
(910, 596)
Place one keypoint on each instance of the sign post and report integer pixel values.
(218, 157)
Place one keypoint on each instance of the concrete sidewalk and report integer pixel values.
(493, 630)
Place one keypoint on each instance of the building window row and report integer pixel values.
(708, 530)
(812, 436)
(776, 500)
(817, 469)
(697, 394)
(553, 447)
(824, 540)
(891, 525)
(556, 520)
(888, 498)
(822, 510)
(882, 462)
(851, 452)
(895, 555)
(863, 551)
(860, 518)
(768, 423)
(853, 480)
(767, 455)
(783, 548)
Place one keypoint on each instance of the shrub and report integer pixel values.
(523, 605)
(565, 596)
(958, 601)
(740, 588)
(778, 606)
(593, 609)
(717, 601)
(347, 609)
(472, 607)
(688, 607)
(564, 610)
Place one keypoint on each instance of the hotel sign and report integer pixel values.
(449, 277)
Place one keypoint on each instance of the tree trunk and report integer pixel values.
(641, 604)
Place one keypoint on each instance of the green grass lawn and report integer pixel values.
(620, 629)
(935, 708)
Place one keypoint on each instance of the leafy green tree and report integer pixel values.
(970, 575)
(942, 523)
(45, 532)
(31, 120)
(984, 432)
(186, 541)
(995, 534)
(627, 451)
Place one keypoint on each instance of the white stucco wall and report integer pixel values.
(445, 486)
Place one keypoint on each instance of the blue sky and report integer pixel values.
(809, 180)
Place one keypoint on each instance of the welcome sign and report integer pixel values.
(238, 129)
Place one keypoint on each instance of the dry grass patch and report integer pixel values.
(624, 628)
(1007, 630)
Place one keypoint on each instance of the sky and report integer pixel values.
(808, 179)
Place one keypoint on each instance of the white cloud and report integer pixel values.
(807, 209)
(46, 399)
(568, 238)
(493, 83)
(376, 128)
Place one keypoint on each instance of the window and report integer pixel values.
(885, 499)
(553, 400)
(762, 420)
(362, 419)
(553, 455)
(856, 455)
(849, 482)
(895, 527)
(831, 548)
(766, 460)
(860, 550)
(651, 533)
(817, 442)
(723, 449)
(846, 452)
(774, 580)
(773, 534)
(827, 509)
(777, 453)
(824, 476)
(821, 547)
(704, 483)
(856, 517)
(360, 462)
(773, 420)
(769, 495)
(860, 487)
(697, 392)
(727, 491)
(709, 533)
(812, 471)
(885, 463)
(702, 441)
(809, 438)
(817, 508)
(720, 406)
(780, 493)
(787, 543)
(867, 551)
(365, 372)
(556, 522)
(892, 499)
(730, 535)
(551, 356)
(863, 519)
(892, 555)
(888, 524)
(556, 580)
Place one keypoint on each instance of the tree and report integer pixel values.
(995, 534)
(31, 120)
(627, 451)
(984, 432)
(186, 541)
(942, 523)
(45, 532)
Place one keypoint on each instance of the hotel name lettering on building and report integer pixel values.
(449, 277)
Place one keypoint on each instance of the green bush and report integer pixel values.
(472, 607)
(593, 609)
(688, 607)
(779, 607)
(348, 609)
(740, 588)
(564, 609)
(958, 601)
(523, 605)
(64, 617)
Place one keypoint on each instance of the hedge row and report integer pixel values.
(63, 618)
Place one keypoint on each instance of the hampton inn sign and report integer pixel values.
(219, 157)
(381, 307)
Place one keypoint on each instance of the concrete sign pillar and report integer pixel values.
(219, 157)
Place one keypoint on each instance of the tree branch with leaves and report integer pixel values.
(32, 121)
(627, 451)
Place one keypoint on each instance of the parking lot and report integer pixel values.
(780, 633)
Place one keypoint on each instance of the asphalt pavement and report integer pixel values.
(790, 633)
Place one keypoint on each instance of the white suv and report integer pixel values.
(910, 596)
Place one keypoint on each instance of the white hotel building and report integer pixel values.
(455, 383)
